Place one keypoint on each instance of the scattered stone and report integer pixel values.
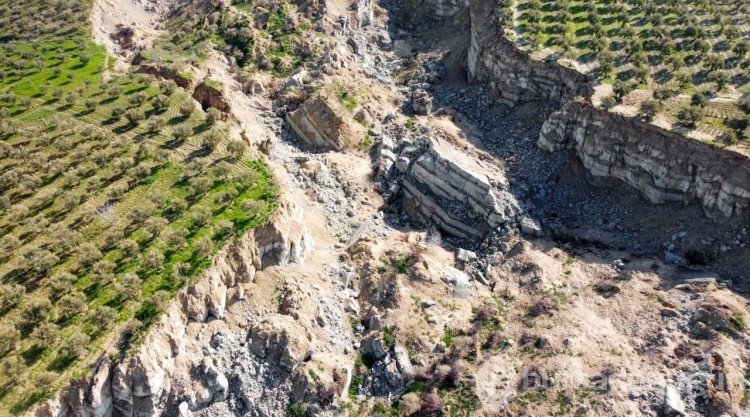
(675, 259)
(464, 256)
(673, 404)
(530, 227)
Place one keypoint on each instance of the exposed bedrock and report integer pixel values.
(166, 73)
(323, 122)
(211, 96)
(664, 166)
(463, 195)
(455, 11)
(149, 380)
(513, 75)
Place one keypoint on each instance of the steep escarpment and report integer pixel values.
(455, 11)
(513, 75)
(664, 166)
(168, 368)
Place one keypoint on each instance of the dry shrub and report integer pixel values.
(327, 393)
(484, 313)
(456, 375)
(494, 341)
(607, 289)
(526, 339)
(431, 404)
(540, 307)
(415, 256)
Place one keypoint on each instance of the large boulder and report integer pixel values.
(281, 340)
(323, 122)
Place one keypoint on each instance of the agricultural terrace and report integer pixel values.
(115, 192)
(682, 64)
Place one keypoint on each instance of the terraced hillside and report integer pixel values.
(690, 57)
(115, 192)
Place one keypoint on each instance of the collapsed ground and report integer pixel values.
(385, 319)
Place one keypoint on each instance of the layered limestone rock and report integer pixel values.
(442, 184)
(664, 166)
(323, 122)
(514, 76)
(141, 383)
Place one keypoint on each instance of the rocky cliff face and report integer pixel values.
(161, 374)
(451, 188)
(513, 74)
(455, 11)
(664, 166)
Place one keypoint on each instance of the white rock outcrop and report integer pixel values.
(664, 166)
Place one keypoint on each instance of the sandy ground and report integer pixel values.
(142, 15)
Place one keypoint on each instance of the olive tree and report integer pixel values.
(237, 149)
(46, 334)
(9, 337)
(60, 283)
(160, 102)
(187, 108)
(10, 295)
(181, 133)
(35, 310)
(154, 259)
(649, 109)
(71, 305)
(103, 317)
(75, 345)
(129, 287)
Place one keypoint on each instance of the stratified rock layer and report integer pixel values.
(512, 73)
(664, 166)
(321, 121)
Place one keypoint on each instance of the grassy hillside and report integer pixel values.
(115, 192)
(695, 48)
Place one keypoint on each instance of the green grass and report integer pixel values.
(60, 151)
(447, 338)
(346, 97)
(27, 82)
(738, 322)
(85, 134)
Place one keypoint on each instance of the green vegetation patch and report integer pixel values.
(114, 195)
(671, 48)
